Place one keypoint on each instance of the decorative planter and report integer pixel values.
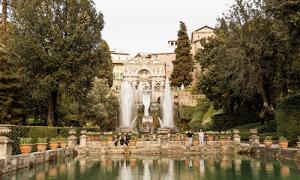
(104, 143)
(186, 142)
(110, 138)
(41, 147)
(268, 143)
(283, 144)
(4, 130)
(210, 138)
(195, 142)
(223, 142)
(53, 145)
(25, 148)
(63, 144)
(132, 142)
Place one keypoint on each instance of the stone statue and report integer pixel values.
(146, 102)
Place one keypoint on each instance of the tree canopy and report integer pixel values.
(248, 64)
(57, 47)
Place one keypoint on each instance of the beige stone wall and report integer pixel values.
(197, 35)
(167, 59)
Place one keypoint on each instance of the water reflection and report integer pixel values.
(147, 168)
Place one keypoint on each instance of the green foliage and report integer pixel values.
(102, 106)
(54, 140)
(282, 139)
(268, 138)
(183, 64)
(42, 140)
(56, 46)
(25, 140)
(298, 138)
(106, 72)
(248, 64)
(195, 114)
(103, 138)
(288, 116)
(268, 127)
(222, 121)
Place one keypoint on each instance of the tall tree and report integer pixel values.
(106, 67)
(183, 64)
(57, 46)
(4, 15)
(246, 60)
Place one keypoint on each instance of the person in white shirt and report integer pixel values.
(201, 137)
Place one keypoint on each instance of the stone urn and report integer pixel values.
(268, 143)
(41, 147)
(4, 130)
(236, 131)
(253, 131)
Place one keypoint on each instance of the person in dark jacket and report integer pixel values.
(190, 136)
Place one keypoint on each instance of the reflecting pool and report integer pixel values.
(160, 167)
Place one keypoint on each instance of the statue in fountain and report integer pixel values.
(146, 99)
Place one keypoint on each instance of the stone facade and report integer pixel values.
(122, 60)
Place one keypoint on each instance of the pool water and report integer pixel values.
(159, 167)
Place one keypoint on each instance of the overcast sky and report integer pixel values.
(146, 25)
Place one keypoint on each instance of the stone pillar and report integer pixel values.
(236, 137)
(83, 138)
(72, 139)
(254, 138)
(5, 144)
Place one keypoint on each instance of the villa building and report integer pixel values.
(149, 70)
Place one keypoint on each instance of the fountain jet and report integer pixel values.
(167, 107)
(126, 105)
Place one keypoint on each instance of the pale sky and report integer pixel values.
(146, 25)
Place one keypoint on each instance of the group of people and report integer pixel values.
(122, 139)
(201, 136)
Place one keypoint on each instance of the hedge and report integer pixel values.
(35, 132)
(288, 116)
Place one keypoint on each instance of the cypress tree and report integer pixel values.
(183, 64)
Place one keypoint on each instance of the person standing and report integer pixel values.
(190, 136)
(201, 137)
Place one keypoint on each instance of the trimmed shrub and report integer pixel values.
(288, 116)
(268, 127)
